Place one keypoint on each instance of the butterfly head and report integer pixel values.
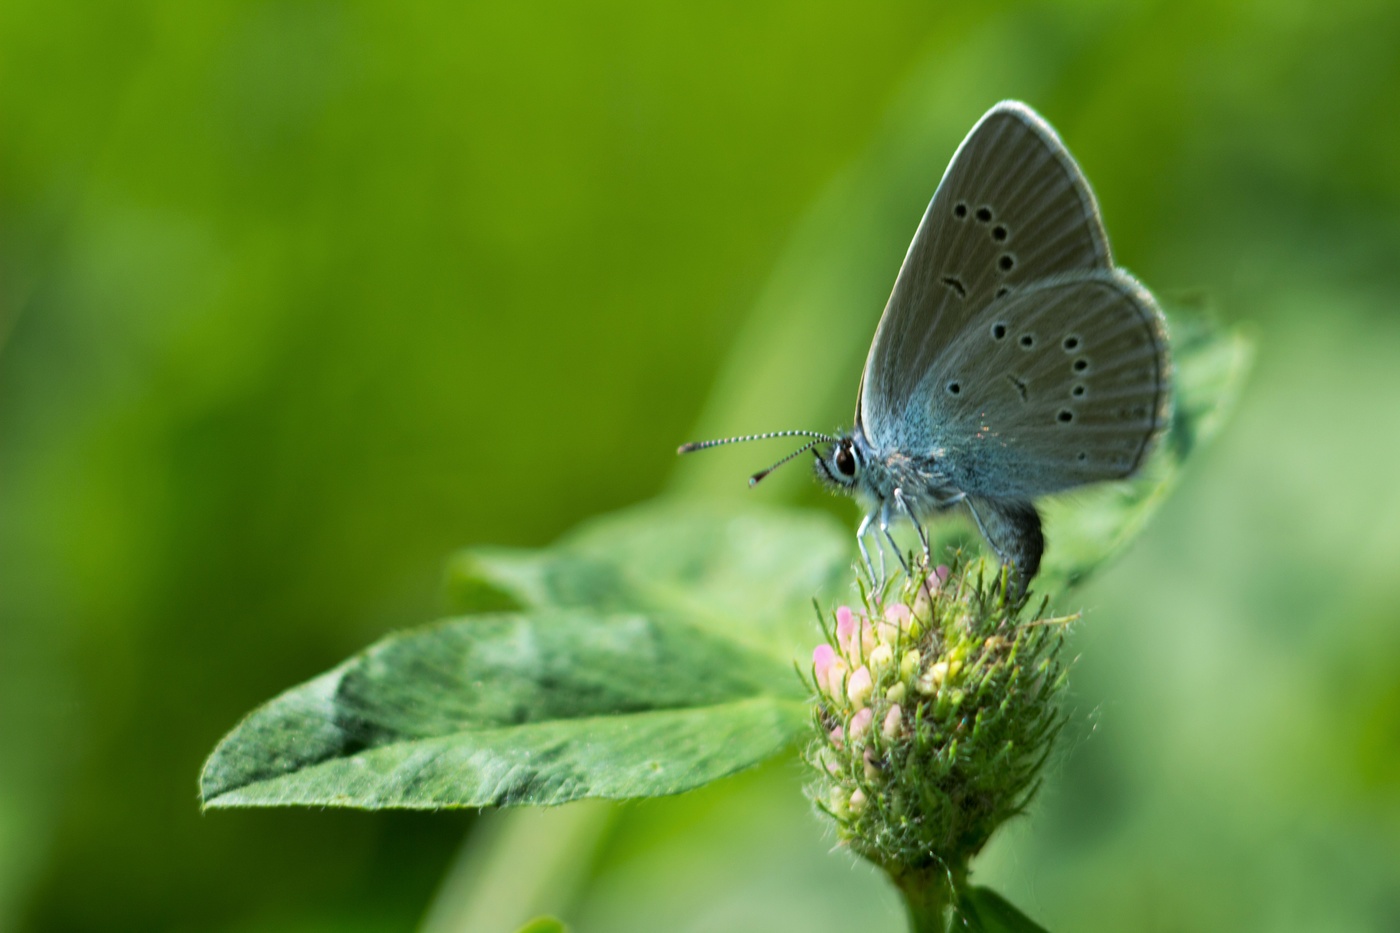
(840, 466)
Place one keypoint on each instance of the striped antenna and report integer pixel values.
(701, 445)
(753, 480)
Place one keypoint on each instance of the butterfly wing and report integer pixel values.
(1012, 208)
(1063, 383)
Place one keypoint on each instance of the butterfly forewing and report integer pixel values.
(1065, 382)
(1012, 209)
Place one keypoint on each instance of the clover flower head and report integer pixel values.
(935, 710)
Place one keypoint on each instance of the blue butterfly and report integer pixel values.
(1013, 359)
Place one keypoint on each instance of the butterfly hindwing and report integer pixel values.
(1064, 383)
(1012, 209)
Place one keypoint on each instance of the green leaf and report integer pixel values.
(747, 572)
(1086, 529)
(527, 708)
(544, 925)
(982, 910)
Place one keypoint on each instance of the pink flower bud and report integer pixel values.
(890, 727)
(845, 628)
(931, 583)
(896, 621)
(860, 723)
(868, 641)
(837, 735)
(822, 658)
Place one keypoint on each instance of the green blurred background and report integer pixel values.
(297, 297)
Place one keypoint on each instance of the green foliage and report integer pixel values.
(746, 571)
(658, 691)
(982, 910)
(501, 710)
(544, 925)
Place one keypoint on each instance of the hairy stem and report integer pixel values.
(927, 896)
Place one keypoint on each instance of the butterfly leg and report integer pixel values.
(885, 530)
(865, 553)
(903, 503)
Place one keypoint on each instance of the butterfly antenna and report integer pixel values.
(754, 480)
(701, 445)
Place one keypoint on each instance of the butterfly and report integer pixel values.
(1013, 359)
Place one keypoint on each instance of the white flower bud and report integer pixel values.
(881, 658)
(858, 686)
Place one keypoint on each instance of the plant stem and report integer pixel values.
(927, 897)
(518, 864)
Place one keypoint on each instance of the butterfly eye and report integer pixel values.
(846, 461)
